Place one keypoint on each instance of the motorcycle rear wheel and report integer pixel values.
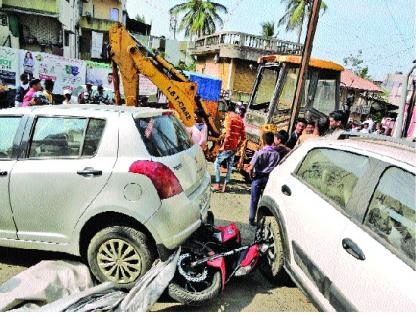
(194, 286)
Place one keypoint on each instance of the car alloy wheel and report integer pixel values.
(119, 261)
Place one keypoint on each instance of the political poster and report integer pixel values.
(9, 66)
(65, 72)
(99, 74)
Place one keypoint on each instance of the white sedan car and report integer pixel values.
(115, 185)
(342, 217)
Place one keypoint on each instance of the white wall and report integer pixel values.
(69, 17)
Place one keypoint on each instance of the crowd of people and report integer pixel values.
(31, 92)
(369, 126)
(275, 147)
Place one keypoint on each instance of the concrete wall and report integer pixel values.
(235, 74)
(5, 33)
(101, 9)
(69, 15)
(38, 5)
(244, 77)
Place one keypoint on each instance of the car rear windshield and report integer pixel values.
(163, 135)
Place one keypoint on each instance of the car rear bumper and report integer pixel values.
(180, 216)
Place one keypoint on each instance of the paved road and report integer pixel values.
(250, 293)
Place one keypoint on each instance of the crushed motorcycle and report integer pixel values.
(212, 257)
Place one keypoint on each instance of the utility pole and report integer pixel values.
(403, 102)
(307, 50)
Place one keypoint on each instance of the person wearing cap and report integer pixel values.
(67, 96)
(86, 98)
(34, 86)
(39, 98)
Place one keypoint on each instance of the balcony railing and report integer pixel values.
(243, 40)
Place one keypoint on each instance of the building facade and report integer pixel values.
(49, 25)
(97, 16)
(69, 28)
(393, 84)
(232, 57)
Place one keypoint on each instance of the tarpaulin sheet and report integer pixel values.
(63, 292)
(44, 283)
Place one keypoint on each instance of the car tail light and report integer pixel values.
(162, 177)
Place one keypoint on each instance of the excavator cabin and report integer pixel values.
(271, 103)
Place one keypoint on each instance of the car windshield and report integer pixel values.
(163, 135)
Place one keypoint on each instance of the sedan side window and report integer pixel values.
(8, 129)
(392, 211)
(57, 137)
(93, 136)
(333, 173)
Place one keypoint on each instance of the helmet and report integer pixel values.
(40, 99)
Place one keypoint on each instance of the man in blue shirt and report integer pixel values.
(262, 163)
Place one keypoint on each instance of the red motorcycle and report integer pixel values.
(211, 258)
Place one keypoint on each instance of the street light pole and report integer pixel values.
(307, 50)
(401, 108)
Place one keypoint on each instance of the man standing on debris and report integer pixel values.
(34, 86)
(21, 89)
(233, 139)
(262, 163)
(299, 127)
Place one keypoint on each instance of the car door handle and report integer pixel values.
(89, 171)
(352, 248)
(3, 173)
(286, 190)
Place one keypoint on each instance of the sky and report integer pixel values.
(385, 30)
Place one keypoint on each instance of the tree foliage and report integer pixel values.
(200, 17)
(268, 29)
(296, 12)
(140, 18)
(355, 64)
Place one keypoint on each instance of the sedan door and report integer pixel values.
(9, 126)
(316, 199)
(376, 261)
(67, 163)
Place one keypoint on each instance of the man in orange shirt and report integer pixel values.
(233, 139)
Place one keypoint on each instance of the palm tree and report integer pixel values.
(200, 17)
(268, 29)
(296, 11)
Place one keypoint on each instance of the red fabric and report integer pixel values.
(235, 131)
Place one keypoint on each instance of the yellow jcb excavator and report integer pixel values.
(131, 58)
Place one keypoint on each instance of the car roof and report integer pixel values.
(401, 150)
(86, 109)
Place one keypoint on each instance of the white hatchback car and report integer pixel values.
(342, 216)
(114, 184)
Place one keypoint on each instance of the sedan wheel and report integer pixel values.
(119, 261)
(119, 254)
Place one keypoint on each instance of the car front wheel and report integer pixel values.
(119, 254)
(272, 263)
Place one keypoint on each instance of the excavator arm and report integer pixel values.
(128, 56)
